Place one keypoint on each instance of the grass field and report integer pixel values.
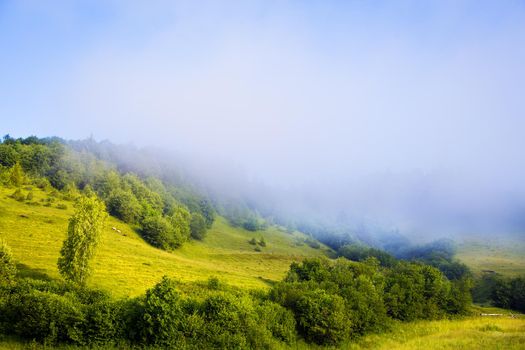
(126, 266)
(503, 333)
(505, 256)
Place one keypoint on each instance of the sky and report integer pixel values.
(294, 93)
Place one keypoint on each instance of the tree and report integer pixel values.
(84, 230)
(124, 205)
(7, 265)
(197, 226)
(158, 231)
(180, 221)
(17, 175)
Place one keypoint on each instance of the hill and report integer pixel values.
(504, 256)
(126, 265)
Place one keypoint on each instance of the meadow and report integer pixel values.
(125, 265)
(504, 255)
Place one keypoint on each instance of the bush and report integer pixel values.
(29, 196)
(279, 320)
(62, 206)
(124, 205)
(162, 316)
(252, 241)
(158, 231)
(46, 317)
(18, 195)
(198, 226)
(322, 318)
(7, 265)
(262, 242)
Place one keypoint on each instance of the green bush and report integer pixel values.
(321, 317)
(198, 226)
(18, 195)
(158, 231)
(61, 206)
(7, 265)
(46, 317)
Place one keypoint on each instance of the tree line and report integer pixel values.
(167, 216)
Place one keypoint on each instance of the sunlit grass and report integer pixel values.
(504, 256)
(126, 266)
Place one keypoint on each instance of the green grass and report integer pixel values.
(505, 256)
(503, 333)
(125, 265)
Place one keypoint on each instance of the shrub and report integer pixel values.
(252, 241)
(262, 242)
(321, 317)
(46, 317)
(62, 206)
(279, 320)
(7, 264)
(162, 316)
(158, 231)
(18, 195)
(124, 205)
(198, 226)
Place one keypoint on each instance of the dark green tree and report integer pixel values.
(198, 226)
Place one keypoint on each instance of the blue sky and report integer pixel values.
(290, 90)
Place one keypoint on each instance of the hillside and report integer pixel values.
(503, 256)
(125, 265)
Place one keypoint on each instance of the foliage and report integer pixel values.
(124, 205)
(83, 234)
(17, 175)
(357, 252)
(158, 231)
(7, 264)
(198, 226)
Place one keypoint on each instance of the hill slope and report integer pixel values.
(125, 265)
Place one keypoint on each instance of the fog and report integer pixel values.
(404, 114)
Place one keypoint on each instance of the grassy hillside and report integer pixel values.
(505, 256)
(471, 333)
(126, 266)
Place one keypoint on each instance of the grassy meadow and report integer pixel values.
(505, 256)
(125, 265)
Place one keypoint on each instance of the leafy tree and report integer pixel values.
(7, 264)
(180, 221)
(84, 230)
(158, 231)
(322, 317)
(207, 212)
(198, 226)
(124, 205)
(17, 175)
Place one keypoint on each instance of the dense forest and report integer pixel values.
(323, 301)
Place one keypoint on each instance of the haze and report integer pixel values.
(408, 113)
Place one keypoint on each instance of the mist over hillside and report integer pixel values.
(397, 117)
(375, 209)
